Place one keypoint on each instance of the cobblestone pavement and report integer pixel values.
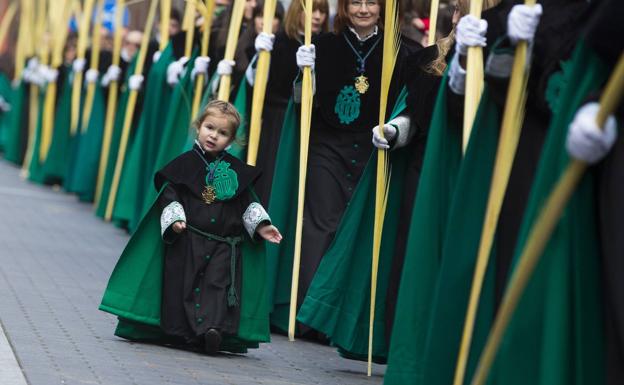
(55, 259)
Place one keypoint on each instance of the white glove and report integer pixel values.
(29, 72)
(389, 131)
(586, 141)
(37, 76)
(156, 56)
(78, 65)
(91, 76)
(49, 74)
(225, 67)
(4, 105)
(135, 82)
(522, 22)
(470, 33)
(112, 75)
(175, 69)
(264, 42)
(306, 56)
(200, 66)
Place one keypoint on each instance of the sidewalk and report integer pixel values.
(55, 259)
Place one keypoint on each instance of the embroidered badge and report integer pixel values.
(347, 104)
(225, 181)
(556, 84)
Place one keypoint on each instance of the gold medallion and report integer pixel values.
(209, 194)
(361, 84)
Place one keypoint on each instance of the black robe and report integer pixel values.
(197, 270)
(603, 27)
(282, 73)
(339, 150)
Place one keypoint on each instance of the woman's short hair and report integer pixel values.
(341, 21)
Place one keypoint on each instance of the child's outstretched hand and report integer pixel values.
(178, 227)
(270, 233)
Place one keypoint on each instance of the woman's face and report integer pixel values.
(249, 7)
(318, 18)
(363, 14)
(259, 21)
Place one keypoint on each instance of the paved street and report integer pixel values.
(55, 259)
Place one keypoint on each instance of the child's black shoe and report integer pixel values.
(212, 341)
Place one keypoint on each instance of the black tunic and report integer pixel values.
(196, 276)
(339, 151)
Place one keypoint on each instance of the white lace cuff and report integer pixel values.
(172, 213)
(253, 216)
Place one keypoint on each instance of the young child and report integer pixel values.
(208, 208)
(180, 278)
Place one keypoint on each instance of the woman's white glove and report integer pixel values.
(78, 65)
(389, 131)
(29, 72)
(200, 66)
(586, 141)
(135, 82)
(91, 76)
(264, 42)
(112, 74)
(306, 56)
(225, 67)
(522, 22)
(49, 74)
(175, 69)
(156, 56)
(470, 32)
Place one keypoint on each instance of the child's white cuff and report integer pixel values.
(172, 213)
(254, 216)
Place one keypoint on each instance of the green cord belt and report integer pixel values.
(233, 242)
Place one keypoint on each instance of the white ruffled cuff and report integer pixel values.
(253, 216)
(172, 213)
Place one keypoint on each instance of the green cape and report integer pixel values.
(134, 289)
(426, 234)
(13, 125)
(84, 172)
(136, 179)
(120, 114)
(6, 91)
(338, 300)
(556, 334)
(55, 163)
(283, 216)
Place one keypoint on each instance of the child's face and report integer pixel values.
(214, 134)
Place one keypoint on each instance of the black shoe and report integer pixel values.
(212, 341)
